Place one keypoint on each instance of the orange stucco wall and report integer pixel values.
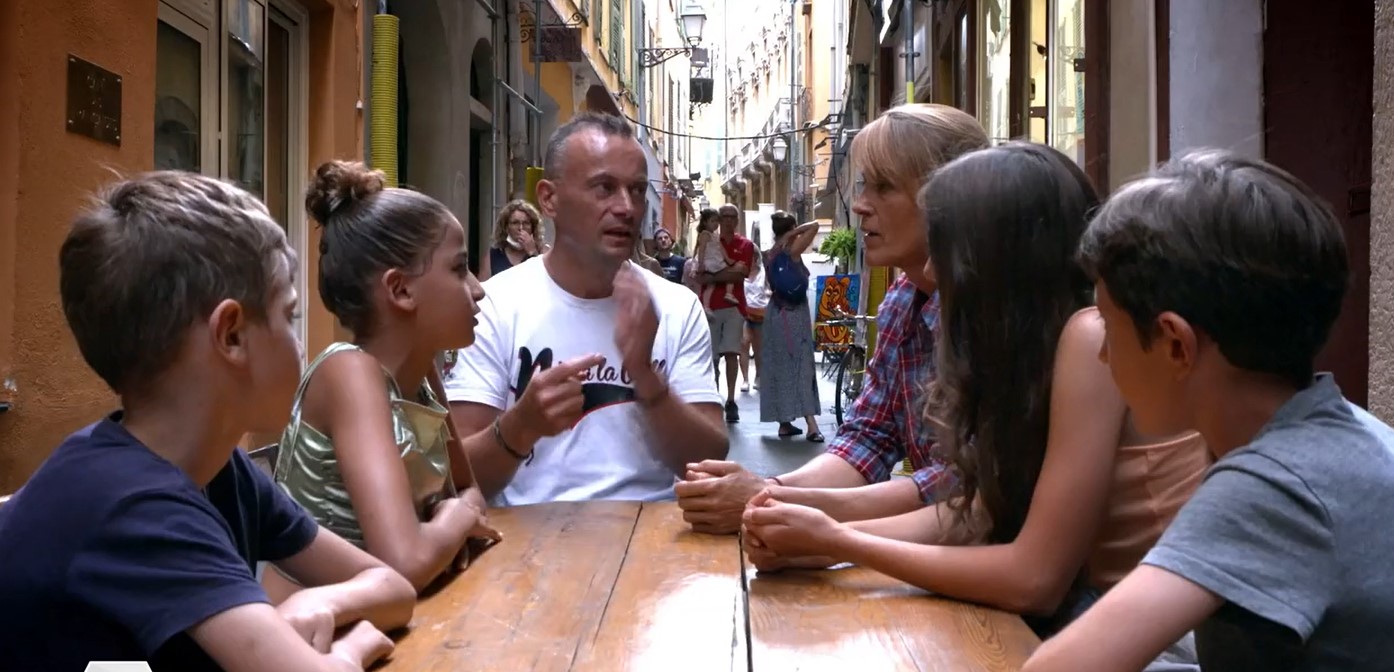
(46, 172)
(336, 128)
(9, 185)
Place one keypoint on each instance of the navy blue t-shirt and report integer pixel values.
(111, 553)
(672, 267)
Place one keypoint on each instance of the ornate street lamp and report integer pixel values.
(693, 20)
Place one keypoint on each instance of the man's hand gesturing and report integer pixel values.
(552, 402)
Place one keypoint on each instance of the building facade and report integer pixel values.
(763, 87)
(222, 87)
(666, 75)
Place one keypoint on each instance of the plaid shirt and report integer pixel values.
(887, 417)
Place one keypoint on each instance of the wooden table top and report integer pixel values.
(627, 586)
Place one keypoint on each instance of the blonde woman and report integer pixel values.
(517, 238)
(894, 155)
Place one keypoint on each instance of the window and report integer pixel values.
(995, 66)
(245, 94)
(1067, 82)
(185, 91)
(598, 27)
(279, 110)
(236, 107)
(960, 64)
(617, 37)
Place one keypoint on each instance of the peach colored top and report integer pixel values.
(1150, 483)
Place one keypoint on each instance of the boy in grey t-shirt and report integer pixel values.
(1219, 278)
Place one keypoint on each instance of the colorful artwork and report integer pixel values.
(836, 293)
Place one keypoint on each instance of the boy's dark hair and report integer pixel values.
(781, 222)
(1241, 249)
(608, 124)
(366, 230)
(154, 255)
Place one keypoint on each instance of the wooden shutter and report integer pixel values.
(617, 37)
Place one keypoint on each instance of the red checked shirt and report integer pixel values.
(887, 419)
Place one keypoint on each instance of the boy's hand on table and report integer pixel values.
(311, 617)
(362, 646)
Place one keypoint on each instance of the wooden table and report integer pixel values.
(625, 586)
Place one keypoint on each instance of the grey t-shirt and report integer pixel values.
(1296, 532)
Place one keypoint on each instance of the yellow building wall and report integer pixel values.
(556, 81)
(557, 78)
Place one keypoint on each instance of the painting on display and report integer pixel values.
(836, 293)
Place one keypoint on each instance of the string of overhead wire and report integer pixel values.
(837, 184)
(675, 134)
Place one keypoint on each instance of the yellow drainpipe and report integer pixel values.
(383, 104)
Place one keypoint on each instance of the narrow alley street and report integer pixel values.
(757, 446)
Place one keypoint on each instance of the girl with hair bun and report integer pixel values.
(368, 451)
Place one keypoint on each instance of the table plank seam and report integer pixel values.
(600, 623)
(900, 634)
(745, 601)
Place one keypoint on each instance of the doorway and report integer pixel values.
(477, 231)
(1318, 106)
(481, 151)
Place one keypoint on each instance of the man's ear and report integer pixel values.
(547, 198)
(398, 289)
(1179, 342)
(227, 325)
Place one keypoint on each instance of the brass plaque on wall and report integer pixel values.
(94, 101)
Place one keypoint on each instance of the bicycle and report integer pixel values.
(849, 369)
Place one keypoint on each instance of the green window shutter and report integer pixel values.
(598, 21)
(636, 41)
(617, 36)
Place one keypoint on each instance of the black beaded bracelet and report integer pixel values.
(498, 437)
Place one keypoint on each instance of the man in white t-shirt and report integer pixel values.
(593, 378)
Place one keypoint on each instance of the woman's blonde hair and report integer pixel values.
(506, 213)
(908, 142)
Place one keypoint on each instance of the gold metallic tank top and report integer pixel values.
(308, 468)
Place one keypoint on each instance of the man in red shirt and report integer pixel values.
(727, 319)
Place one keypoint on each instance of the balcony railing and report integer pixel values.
(777, 122)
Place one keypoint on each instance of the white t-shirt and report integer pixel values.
(757, 291)
(527, 322)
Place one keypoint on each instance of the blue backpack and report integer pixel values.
(788, 279)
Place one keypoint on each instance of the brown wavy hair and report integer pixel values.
(506, 213)
(1003, 226)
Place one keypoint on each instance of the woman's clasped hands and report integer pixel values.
(778, 535)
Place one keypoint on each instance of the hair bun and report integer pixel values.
(340, 184)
